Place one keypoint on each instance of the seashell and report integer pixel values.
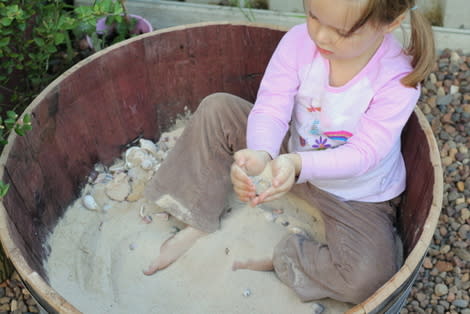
(99, 168)
(318, 308)
(89, 202)
(118, 166)
(282, 221)
(175, 230)
(119, 188)
(297, 230)
(148, 163)
(161, 155)
(163, 216)
(246, 292)
(148, 145)
(147, 219)
(103, 178)
(269, 216)
(262, 182)
(134, 156)
(138, 188)
(92, 176)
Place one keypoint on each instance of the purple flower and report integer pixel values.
(321, 143)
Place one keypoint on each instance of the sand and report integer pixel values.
(98, 253)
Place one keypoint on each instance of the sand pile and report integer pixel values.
(109, 235)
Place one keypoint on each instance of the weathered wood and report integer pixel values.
(137, 88)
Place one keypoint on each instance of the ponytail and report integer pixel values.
(421, 48)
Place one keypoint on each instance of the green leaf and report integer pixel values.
(6, 21)
(59, 38)
(39, 41)
(12, 115)
(27, 118)
(3, 189)
(19, 131)
(4, 41)
(51, 49)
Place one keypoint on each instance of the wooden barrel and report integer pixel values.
(137, 88)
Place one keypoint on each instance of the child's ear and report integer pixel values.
(396, 23)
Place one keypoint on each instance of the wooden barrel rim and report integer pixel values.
(414, 259)
(33, 280)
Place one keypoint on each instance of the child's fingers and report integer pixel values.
(240, 158)
(237, 175)
(244, 193)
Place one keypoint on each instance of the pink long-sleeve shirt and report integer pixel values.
(348, 137)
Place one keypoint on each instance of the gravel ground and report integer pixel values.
(443, 283)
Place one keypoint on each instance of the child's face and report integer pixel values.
(330, 20)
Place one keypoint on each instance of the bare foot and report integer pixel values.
(173, 248)
(258, 265)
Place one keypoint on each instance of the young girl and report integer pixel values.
(339, 89)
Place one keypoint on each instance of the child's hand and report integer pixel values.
(284, 169)
(247, 163)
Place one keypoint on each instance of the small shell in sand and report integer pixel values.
(89, 202)
(148, 146)
(118, 166)
(262, 182)
(134, 156)
(246, 292)
(119, 188)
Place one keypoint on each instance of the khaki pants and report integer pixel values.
(361, 244)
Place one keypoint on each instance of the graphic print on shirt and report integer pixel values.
(321, 144)
(315, 130)
(311, 108)
(339, 135)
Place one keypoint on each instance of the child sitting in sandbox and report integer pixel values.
(339, 89)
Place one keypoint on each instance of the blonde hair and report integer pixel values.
(421, 44)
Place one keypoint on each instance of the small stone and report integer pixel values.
(444, 100)
(455, 58)
(5, 307)
(13, 305)
(464, 230)
(30, 302)
(465, 277)
(460, 303)
(454, 89)
(421, 297)
(463, 254)
(317, 308)
(445, 249)
(444, 266)
(461, 186)
(441, 289)
(447, 161)
(4, 300)
(427, 263)
(22, 307)
(246, 292)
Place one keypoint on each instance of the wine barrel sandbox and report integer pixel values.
(137, 88)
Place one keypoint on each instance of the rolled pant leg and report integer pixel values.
(196, 172)
(358, 257)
